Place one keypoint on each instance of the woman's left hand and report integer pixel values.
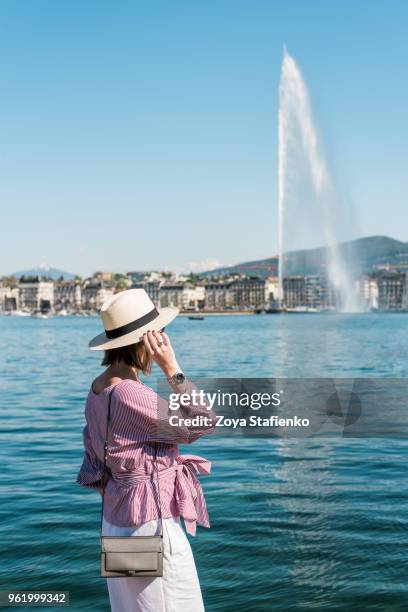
(158, 345)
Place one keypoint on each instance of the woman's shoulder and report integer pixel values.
(129, 391)
(132, 399)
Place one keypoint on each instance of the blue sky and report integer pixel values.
(139, 135)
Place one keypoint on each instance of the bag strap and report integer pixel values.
(105, 456)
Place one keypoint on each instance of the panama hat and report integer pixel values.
(126, 316)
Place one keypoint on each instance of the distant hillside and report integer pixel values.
(360, 255)
(44, 270)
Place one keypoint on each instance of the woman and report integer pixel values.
(134, 338)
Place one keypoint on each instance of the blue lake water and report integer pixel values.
(296, 524)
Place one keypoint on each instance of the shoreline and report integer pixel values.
(212, 313)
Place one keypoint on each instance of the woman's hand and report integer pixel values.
(159, 347)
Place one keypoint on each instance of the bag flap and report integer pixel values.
(137, 544)
(136, 561)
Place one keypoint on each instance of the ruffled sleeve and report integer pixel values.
(90, 473)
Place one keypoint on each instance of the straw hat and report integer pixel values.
(126, 316)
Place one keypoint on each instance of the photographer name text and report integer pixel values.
(252, 421)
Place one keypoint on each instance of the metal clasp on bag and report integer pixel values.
(132, 572)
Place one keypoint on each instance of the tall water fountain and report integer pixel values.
(308, 207)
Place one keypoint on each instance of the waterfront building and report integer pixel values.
(305, 292)
(95, 292)
(392, 291)
(294, 291)
(246, 293)
(216, 295)
(9, 298)
(67, 295)
(171, 294)
(193, 297)
(272, 291)
(36, 293)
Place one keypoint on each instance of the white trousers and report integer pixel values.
(178, 589)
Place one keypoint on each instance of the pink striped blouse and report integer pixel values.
(131, 491)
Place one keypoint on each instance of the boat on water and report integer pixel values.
(196, 317)
(301, 309)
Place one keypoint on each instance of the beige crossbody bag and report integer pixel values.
(130, 556)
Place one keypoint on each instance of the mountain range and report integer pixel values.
(44, 270)
(362, 255)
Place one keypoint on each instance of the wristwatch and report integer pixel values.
(177, 379)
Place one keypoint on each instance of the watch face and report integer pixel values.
(179, 378)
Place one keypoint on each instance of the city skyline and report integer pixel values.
(146, 136)
(385, 289)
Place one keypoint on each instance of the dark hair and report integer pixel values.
(134, 355)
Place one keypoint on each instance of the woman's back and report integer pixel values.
(133, 438)
(145, 477)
